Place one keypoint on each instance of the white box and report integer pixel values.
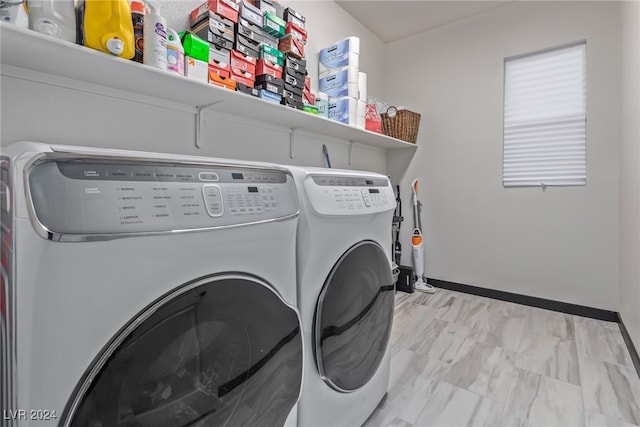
(343, 109)
(322, 102)
(340, 82)
(196, 69)
(345, 53)
(362, 86)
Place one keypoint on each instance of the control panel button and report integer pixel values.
(208, 176)
(212, 199)
(366, 197)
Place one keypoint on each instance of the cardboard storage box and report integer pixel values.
(269, 40)
(224, 82)
(292, 102)
(345, 53)
(294, 89)
(322, 102)
(308, 108)
(210, 31)
(343, 109)
(219, 56)
(291, 15)
(221, 71)
(246, 89)
(291, 45)
(271, 6)
(244, 77)
(225, 8)
(272, 55)
(196, 69)
(250, 13)
(296, 31)
(243, 62)
(247, 46)
(273, 25)
(269, 96)
(248, 30)
(340, 82)
(294, 82)
(265, 66)
(270, 83)
(308, 97)
(298, 64)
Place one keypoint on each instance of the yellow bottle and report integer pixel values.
(108, 27)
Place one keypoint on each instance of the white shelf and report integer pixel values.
(29, 50)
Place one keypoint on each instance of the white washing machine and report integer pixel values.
(142, 289)
(345, 293)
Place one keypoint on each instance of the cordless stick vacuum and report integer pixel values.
(417, 245)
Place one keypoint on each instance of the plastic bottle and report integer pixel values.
(155, 38)
(14, 12)
(137, 18)
(108, 27)
(56, 18)
(175, 53)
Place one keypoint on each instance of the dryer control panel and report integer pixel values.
(349, 195)
(112, 196)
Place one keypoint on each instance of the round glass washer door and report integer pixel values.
(353, 317)
(223, 350)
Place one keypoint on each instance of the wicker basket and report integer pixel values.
(400, 124)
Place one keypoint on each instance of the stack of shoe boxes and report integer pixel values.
(341, 80)
(292, 44)
(256, 47)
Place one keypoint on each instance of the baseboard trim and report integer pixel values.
(563, 307)
(627, 340)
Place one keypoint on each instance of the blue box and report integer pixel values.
(345, 53)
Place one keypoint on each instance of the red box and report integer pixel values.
(291, 45)
(243, 77)
(224, 8)
(218, 80)
(243, 62)
(308, 97)
(307, 85)
(297, 31)
(267, 67)
(221, 71)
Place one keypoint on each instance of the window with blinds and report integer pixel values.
(545, 118)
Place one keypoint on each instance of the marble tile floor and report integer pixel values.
(464, 360)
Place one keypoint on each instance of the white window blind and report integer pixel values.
(545, 118)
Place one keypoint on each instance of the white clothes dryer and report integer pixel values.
(345, 293)
(143, 289)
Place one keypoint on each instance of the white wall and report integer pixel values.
(630, 170)
(79, 116)
(561, 244)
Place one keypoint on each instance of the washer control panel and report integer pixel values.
(94, 196)
(349, 194)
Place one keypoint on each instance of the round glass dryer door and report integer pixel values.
(353, 317)
(220, 351)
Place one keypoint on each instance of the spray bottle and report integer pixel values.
(155, 38)
(14, 12)
(175, 53)
(56, 18)
(137, 18)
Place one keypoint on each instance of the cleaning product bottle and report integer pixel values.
(155, 38)
(108, 27)
(14, 12)
(137, 18)
(175, 53)
(55, 18)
